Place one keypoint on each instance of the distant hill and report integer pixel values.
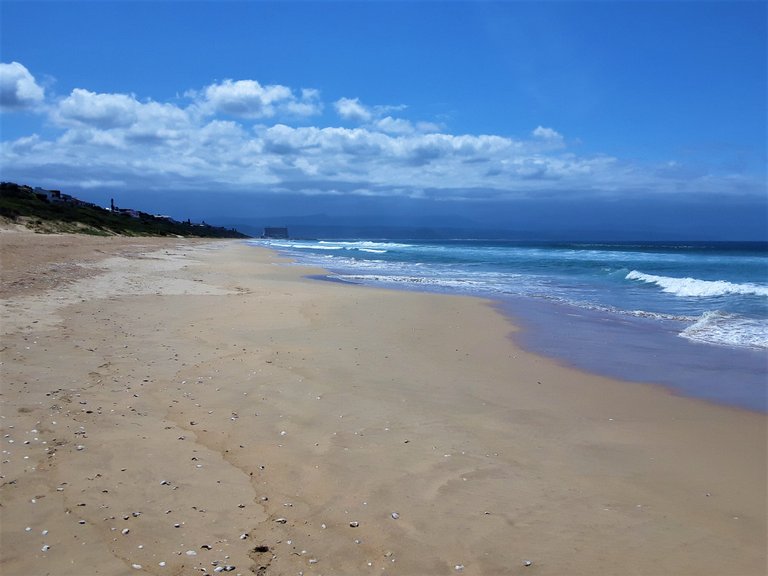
(50, 211)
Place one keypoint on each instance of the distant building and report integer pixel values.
(275, 232)
(49, 195)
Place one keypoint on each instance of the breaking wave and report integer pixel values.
(728, 329)
(692, 287)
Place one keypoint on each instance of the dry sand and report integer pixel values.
(177, 407)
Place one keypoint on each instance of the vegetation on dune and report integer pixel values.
(21, 205)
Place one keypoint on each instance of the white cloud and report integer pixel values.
(206, 143)
(546, 133)
(548, 136)
(18, 88)
(249, 99)
(426, 127)
(84, 108)
(116, 119)
(379, 118)
(164, 146)
(395, 125)
(351, 109)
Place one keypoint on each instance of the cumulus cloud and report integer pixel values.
(380, 118)
(546, 134)
(118, 120)
(395, 125)
(548, 137)
(351, 109)
(249, 99)
(86, 108)
(209, 141)
(18, 88)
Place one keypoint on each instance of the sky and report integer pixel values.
(641, 120)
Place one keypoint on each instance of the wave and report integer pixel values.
(293, 245)
(308, 246)
(718, 327)
(364, 244)
(693, 287)
(416, 281)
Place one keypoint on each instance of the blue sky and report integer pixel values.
(639, 118)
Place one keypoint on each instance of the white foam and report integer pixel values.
(728, 329)
(693, 287)
(365, 244)
(416, 280)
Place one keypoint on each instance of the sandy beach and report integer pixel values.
(192, 407)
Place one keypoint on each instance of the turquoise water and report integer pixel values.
(692, 316)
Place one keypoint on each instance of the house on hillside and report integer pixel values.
(48, 195)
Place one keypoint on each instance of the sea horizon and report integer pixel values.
(691, 316)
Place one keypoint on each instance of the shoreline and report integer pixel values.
(261, 396)
(690, 369)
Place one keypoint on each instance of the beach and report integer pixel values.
(189, 407)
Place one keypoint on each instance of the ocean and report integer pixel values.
(691, 316)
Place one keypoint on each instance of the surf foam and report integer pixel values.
(717, 327)
(693, 287)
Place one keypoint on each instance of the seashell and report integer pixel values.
(281, 520)
(136, 566)
(45, 548)
(395, 515)
(459, 567)
(527, 562)
(191, 553)
(354, 524)
(125, 531)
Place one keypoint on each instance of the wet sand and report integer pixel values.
(182, 407)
